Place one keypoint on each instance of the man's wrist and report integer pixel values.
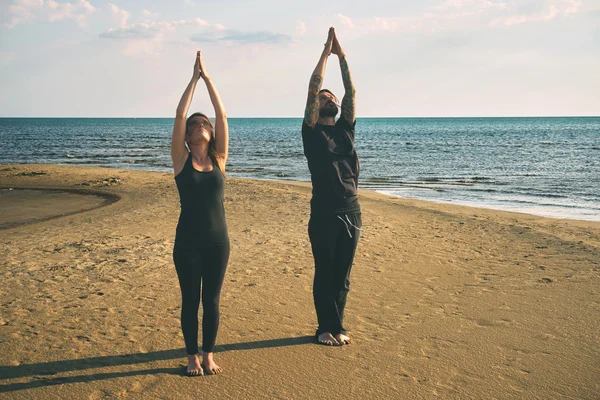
(341, 55)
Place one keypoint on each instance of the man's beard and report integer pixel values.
(328, 111)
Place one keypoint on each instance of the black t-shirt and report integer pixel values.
(334, 167)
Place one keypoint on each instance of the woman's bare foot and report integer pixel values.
(194, 368)
(342, 339)
(327, 339)
(209, 365)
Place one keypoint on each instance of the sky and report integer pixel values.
(427, 58)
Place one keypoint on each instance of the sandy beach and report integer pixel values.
(446, 302)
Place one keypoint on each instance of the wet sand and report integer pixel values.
(446, 301)
(25, 206)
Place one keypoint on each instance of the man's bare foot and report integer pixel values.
(342, 339)
(194, 368)
(327, 339)
(210, 368)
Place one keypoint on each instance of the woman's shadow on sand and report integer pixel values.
(41, 371)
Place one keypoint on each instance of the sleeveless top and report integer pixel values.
(201, 194)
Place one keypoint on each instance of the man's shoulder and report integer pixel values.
(342, 123)
(306, 126)
(307, 130)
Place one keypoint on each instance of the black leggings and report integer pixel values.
(333, 239)
(196, 266)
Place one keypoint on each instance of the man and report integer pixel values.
(335, 220)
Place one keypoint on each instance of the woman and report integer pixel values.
(199, 153)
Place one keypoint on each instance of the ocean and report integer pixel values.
(541, 166)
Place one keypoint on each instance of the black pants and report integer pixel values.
(198, 266)
(333, 239)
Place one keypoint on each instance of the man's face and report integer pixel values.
(327, 105)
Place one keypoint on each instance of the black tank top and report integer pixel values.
(202, 219)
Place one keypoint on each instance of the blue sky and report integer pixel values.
(128, 58)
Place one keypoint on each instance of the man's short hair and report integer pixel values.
(328, 91)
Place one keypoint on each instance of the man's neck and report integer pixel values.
(326, 121)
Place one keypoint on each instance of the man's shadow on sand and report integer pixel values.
(41, 371)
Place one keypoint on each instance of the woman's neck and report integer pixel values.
(199, 152)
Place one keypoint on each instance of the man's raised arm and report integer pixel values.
(348, 102)
(311, 113)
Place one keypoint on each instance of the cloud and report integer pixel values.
(6, 57)
(300, 28)
(146, 38)
(384, 24)
(26, 10)
(345, 20)
(23, 10)
(572, 6)
(189, 2)
(119, 15)
(78, 11)
(554, 9)
(254, 37)
(150, 29)
(551, 13)
(467, 15)
(210, 32)
(236, 36)
(469, 4)
(149, 14)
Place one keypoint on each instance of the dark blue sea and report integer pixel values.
(542, 166)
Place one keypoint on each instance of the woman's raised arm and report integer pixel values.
(178, 149)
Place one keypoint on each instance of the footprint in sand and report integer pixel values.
(487, 323)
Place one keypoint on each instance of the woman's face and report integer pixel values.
(200, 131)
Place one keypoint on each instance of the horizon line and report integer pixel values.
(300, 117)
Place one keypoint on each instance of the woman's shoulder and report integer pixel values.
(221, 160)
(178, 170)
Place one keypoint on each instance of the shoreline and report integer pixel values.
(382, 191)
(446, 301)
(516, 209)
